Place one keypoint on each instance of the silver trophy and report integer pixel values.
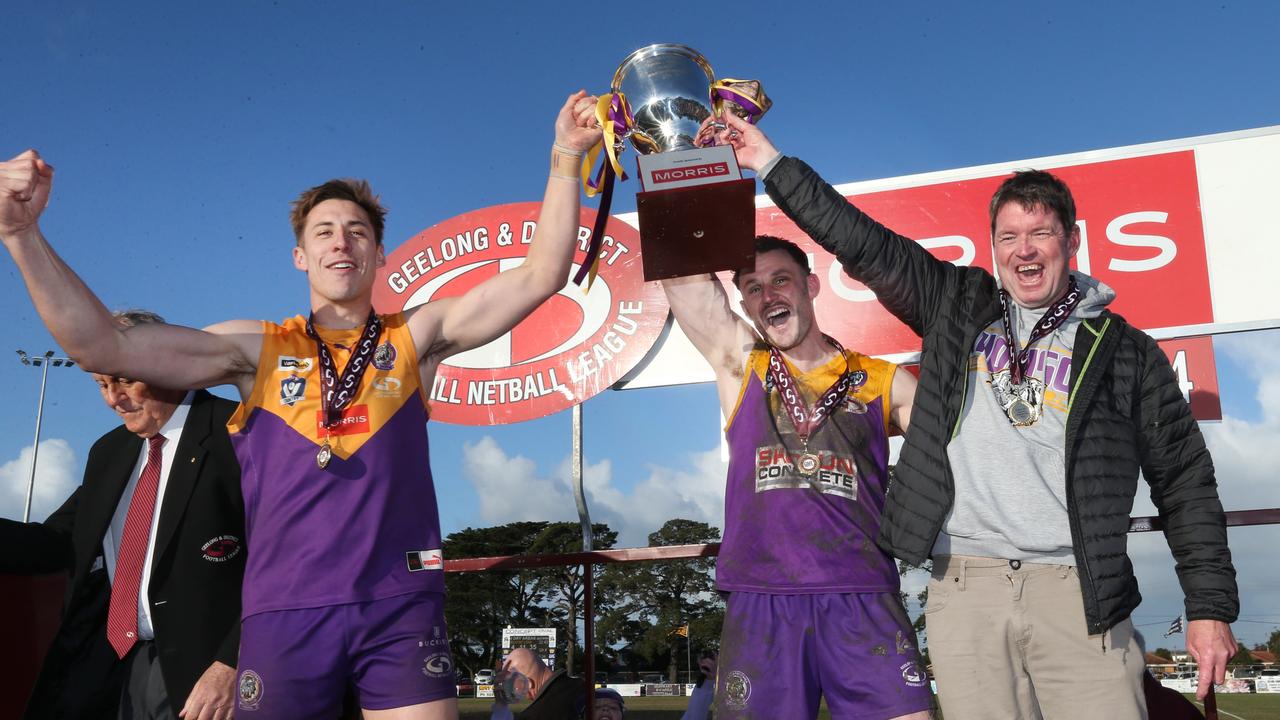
(668, 86)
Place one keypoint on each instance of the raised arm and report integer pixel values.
(166, 355)
(444, 327)
(701, 306)
(911, 283)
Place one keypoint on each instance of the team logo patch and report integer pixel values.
(737, 689)
(386, 387)
(419, 560)
(221, 548)
(911, 674)
(288, 363)
(250, 690)
(438, 665)
(292, 389)
(857, 379)
(384, 357)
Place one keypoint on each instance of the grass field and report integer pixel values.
(1230, 707)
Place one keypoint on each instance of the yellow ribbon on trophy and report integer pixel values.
(613, 112)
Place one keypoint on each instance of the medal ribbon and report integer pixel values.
(807, 420)
(730, 89)
(613, 112)
(1054, 317)
(337, 392)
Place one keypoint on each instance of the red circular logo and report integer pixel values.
(570, 348)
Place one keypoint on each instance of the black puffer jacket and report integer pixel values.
(1125, 413)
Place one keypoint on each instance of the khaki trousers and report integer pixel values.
(1008, 640)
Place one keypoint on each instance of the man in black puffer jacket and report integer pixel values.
(1021, 464)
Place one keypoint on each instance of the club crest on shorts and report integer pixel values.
(737, 689)
(438, 665)
(292, 389)
(250, 690)
(384, 357)
(911, 674)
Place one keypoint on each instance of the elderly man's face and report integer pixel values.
(143, 409)
(608, 709)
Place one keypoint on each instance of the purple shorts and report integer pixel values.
(299, 663)
(780, 654)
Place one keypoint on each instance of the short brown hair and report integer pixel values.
(769, 243)
(1031, 189)
(357, 191)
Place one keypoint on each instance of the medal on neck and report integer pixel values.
(1025, 407)
(807, 420)
(337, 391)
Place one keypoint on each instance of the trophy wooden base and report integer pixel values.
(699, 229)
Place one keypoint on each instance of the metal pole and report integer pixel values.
(580, 496)
(688, 641)
(35, 449)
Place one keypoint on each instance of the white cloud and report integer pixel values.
(56, 478)
(510, 489)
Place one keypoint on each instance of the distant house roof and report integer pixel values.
(1263, 656)
(1157, 660)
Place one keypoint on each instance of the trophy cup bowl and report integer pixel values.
(668, 88)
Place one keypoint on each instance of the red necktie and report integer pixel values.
(122, 615)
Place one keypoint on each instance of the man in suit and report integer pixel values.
(154, 542)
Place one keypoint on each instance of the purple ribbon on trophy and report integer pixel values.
(613, 112)
(743, 97)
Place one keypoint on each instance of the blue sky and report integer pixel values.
(180, 132)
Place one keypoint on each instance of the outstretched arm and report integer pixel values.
(444, 327)
(165, 355)
(910, 282)
(701, 306)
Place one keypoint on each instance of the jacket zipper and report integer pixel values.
(1072, 513)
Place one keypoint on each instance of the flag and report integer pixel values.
(682, 631)
(1175, 626)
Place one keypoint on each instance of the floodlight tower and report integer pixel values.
(43, 362)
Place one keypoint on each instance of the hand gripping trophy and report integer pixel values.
(697, 213)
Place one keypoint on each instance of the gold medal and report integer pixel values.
(324, 455)
(808, 464)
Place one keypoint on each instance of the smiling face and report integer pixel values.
(339, 252)
(143, 409)
(1033, 252)
(778, 298)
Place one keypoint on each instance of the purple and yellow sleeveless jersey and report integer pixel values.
(364, 528)
(788, 534)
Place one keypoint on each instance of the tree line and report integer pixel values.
(637, 607)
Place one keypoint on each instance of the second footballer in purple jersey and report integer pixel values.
(345, 586)
(813, 609)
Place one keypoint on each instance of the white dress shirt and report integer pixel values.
(172, 431)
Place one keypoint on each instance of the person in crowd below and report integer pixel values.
(1037, 408)
(808, 427)
(154, 541)
(555, 694)
(703, 694)
(346, 585)
(609, 705)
